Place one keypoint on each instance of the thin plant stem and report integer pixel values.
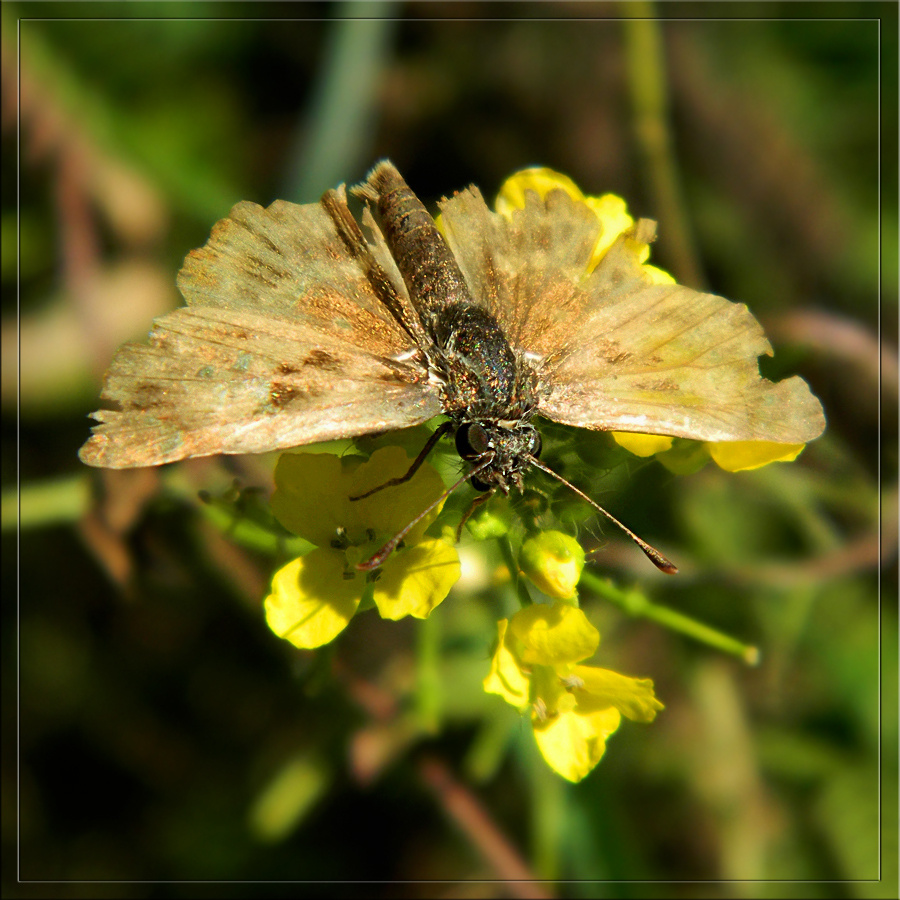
(336, 136)
(44, 503)
(636, 604)
(428, 679)
(548, 819)
(510, 559)
(645, 66)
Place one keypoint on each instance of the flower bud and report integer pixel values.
(553, 561)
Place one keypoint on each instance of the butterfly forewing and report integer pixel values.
(614, 351)
(288, 260)
(285, 342)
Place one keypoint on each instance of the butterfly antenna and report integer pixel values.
(373, 562)
(658, 560)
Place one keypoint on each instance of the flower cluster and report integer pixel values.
(574, 708)
(314, 596)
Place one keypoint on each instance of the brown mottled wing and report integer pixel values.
(284, 341)
(525, 270)
(613, 351)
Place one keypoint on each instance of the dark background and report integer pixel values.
(164, 735)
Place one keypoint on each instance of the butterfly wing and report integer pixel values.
(525, 271)
(613, 351)
(285, 341)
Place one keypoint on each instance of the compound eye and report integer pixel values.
(535, 447)
(471, 441)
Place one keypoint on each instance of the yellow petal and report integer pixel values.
(658, 276)
(506, 677)
(549, 693)
(393, 508)
(540, 180)
(313, 490)
(636, 244)
(572, 744)
(601, 688)
(311, 493)
(415, 580)
(642, 444)
(737, 456)
(612, 211)
(553, 635)
(311, 600)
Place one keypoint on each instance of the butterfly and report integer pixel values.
(300, 327)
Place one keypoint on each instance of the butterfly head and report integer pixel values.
(506, 447)
(501, 451)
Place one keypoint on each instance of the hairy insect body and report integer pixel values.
(490, 395)
(489, 392)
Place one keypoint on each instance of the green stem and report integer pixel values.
(636, 604)
(428, 681)
(510, 559)
(43, 503)
(644, 59)
(336, 137)
(489, 747)
(548, 818)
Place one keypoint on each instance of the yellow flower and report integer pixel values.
(574, 708)
(314, 596)
(688, 456)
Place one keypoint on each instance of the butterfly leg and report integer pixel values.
(417, 462)
(481, 498)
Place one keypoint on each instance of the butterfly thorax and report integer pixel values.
(469, 354)
(488, 392)
(481, 375)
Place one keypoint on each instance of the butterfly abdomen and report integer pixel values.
(429, 270)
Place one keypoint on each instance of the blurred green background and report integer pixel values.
(165, 735)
